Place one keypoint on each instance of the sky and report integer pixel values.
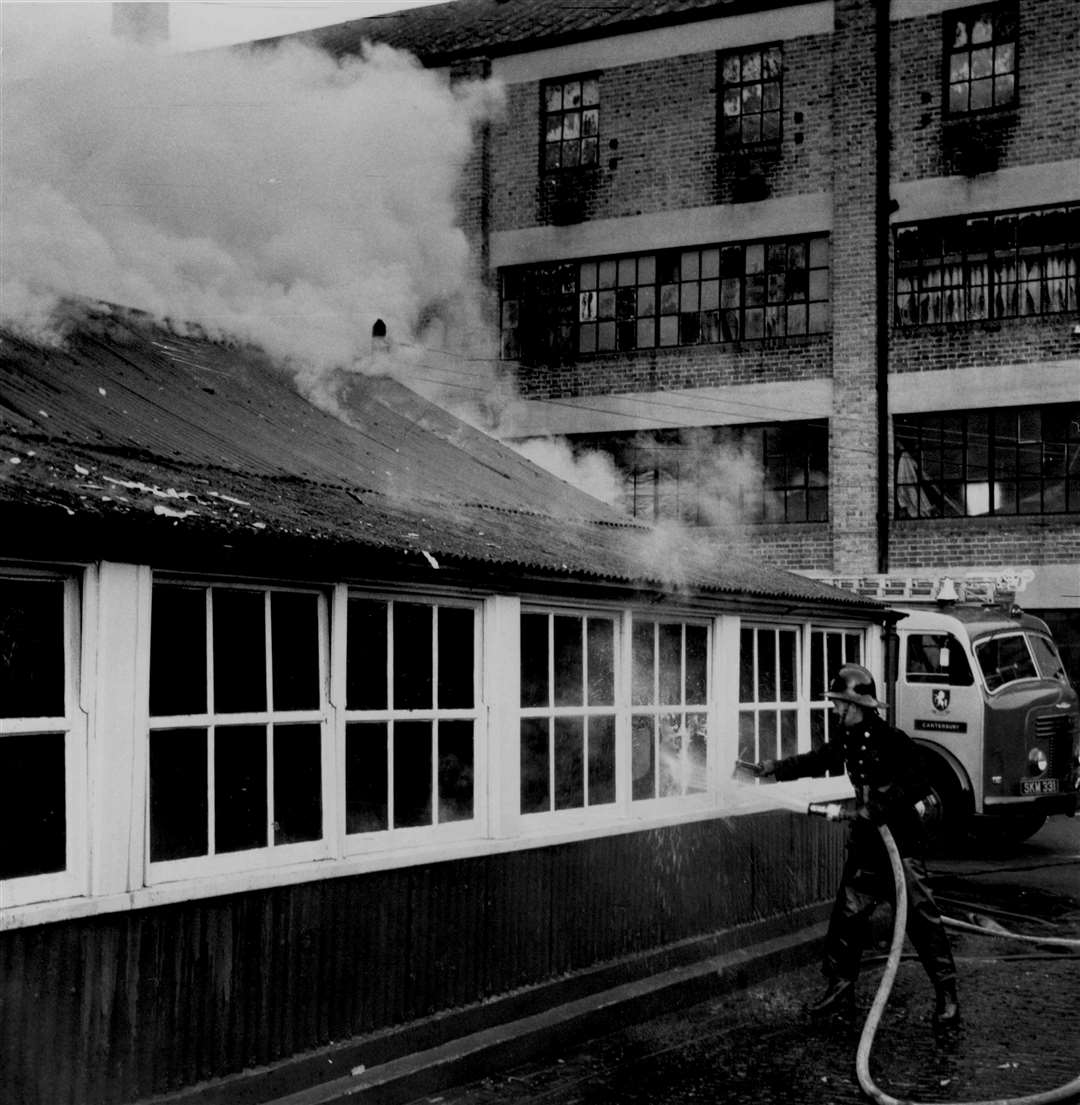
(201, 24)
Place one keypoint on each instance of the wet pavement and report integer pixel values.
(1020, 1032)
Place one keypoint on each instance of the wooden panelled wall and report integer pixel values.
(127, 1005)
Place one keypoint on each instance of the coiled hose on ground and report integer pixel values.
(1068, 1092)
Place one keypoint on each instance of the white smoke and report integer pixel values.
(278, 197)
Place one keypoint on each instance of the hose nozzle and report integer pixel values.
(831, 811)
(744, 769)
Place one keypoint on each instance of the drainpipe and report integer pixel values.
(883, 316)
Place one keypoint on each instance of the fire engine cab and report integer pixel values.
(980, 686)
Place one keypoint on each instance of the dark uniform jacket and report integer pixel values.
(885, 768)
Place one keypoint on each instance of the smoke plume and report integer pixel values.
(278, 196)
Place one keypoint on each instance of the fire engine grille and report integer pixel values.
(1055, 733)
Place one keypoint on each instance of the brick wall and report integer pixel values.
(658, 147)
(1046, 124)
(982, 541)
(853, 436)
(801, 548)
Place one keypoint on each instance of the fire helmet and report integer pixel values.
(853, 683)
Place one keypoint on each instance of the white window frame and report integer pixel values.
(397, 837)
(270, 854)
(539, 820)
(72, 881)
(688, 799)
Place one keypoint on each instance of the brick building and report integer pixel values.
(807, 272)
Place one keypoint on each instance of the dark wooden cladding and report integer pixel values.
(129, 1005)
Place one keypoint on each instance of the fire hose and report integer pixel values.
(1068, 1092)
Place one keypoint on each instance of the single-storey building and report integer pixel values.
(322, 721)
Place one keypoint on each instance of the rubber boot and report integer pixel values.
(947, 1009)
(837, 997)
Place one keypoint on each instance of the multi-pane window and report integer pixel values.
(724, 293)
(669, 696)
(830, 649)
(36, 723)
(1005, 265)
(980, 58)
(237, 715)
(714, 475)
(750, 86)
(1010, 460)
(411, 714)
(571, 121)
(567, 711)
(768, 692)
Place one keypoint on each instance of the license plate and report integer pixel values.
(1038, 786)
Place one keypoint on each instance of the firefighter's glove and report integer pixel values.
(764, 768)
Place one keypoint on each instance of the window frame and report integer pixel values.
(269, 855)
(688, 797)
(729, 145)
(561, 170)
(397, 837)
(1001, 469)
(73, 880)
(993, 256)
(966, 14)
(598, 306)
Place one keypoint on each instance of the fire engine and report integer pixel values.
(981, 688)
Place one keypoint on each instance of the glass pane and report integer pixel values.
(239, 651)
(746, 666)
(788, 667)
(456, 771)
(297, 783)
(31, 648)
(534, 660)
(239, 787)
(789, 733)
(767, 735)
(177, 651)
(670, 761)
(601, 760)
(697, 656)
(457, 675)
(671, 676)
(644, 661)
(365, 777)
(696, 753)
(748, 752)
(569, 763)
(601, 640)
(294, 626)
(33, 819)
(642, 757)
(365, 660)
(535, 766)
(1004, 660)
(569, 662)
(179, 800)
(412, 656)
(412, 774)
(766, 684)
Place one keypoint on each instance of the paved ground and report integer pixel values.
(1020, 1032)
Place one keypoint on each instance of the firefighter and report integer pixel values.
(883, 765)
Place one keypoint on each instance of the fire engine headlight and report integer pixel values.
(1037, 761)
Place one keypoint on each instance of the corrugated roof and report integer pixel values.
(132, 426)
(441, 32)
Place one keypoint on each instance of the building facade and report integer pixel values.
(805, 272)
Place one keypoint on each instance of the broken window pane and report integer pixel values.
(456, 771)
